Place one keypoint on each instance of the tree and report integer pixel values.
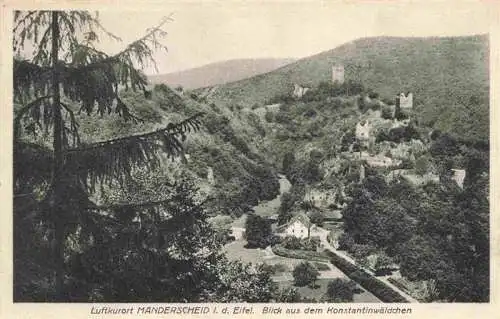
(305, 274)
(421, 165)
(340, 290)
(386, 113)
(258, 232)
(317, 218)
(65, 68)
(288, 162)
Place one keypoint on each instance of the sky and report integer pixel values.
(211, 31)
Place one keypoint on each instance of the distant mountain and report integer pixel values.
(448, 75)
(219, 72)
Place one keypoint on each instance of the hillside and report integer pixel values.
(219, 72)
(444, 73)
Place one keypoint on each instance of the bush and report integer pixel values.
(258, 232)
(373, 95)
(269, 117)
(346, 242)
(299, 254)
(386, 113)
(305, 274)
(340, 290)
(321, 266)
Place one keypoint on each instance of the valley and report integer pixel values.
(360, 174)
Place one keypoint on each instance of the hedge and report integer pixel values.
(299, 254)
(369, 282)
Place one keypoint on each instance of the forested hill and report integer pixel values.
(219, 72)
(448, 75)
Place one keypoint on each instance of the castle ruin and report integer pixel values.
(406, 101)
(299, 91)
(338, 73)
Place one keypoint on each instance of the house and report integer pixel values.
(299, 226)
(363, 129)
(238, 232)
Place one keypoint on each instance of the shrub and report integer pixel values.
(373, 95)
(299, 254)
(193, 96)
(346, 242)
(305, 274)
(288, 295)
(386, 113)
(317, 218)
(340, 290)
(258, 232)
(422, 165)
(321, 266)
(269, 117)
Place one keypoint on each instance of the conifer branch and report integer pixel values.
(24, 110)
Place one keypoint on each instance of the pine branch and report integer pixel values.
(22, 112)
(171, 128)
(106, 161)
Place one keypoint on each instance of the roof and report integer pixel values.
(300, 217)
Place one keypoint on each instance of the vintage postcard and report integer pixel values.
(249, 159)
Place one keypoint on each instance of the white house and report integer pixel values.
(237, 232)
(299, 226)
(363, 129)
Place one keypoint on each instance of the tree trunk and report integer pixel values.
(58, 162)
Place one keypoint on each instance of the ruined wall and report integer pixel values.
(338, 73)
(299, 91)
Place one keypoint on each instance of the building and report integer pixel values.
(238, 232)
(363, 129)
(406, 101)
(459, 177)
(299, 226)
(338, 73)
(299, 91)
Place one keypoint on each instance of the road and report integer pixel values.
(323, 234)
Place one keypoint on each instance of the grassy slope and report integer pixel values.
(444, 73)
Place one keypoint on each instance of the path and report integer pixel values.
(323, 233)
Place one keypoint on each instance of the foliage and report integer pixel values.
(257, 232)
(340, 290)
(295, 243)
(386, 113)
(422, 165)
(316, 217)
(289, 295)
(346, 242)
(299, 254)
(372, 284)
(305, 274)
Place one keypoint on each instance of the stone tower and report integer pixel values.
(338, 73)
(406, 101)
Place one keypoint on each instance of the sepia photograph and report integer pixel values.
(251, 153)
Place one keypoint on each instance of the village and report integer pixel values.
(313, 232)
